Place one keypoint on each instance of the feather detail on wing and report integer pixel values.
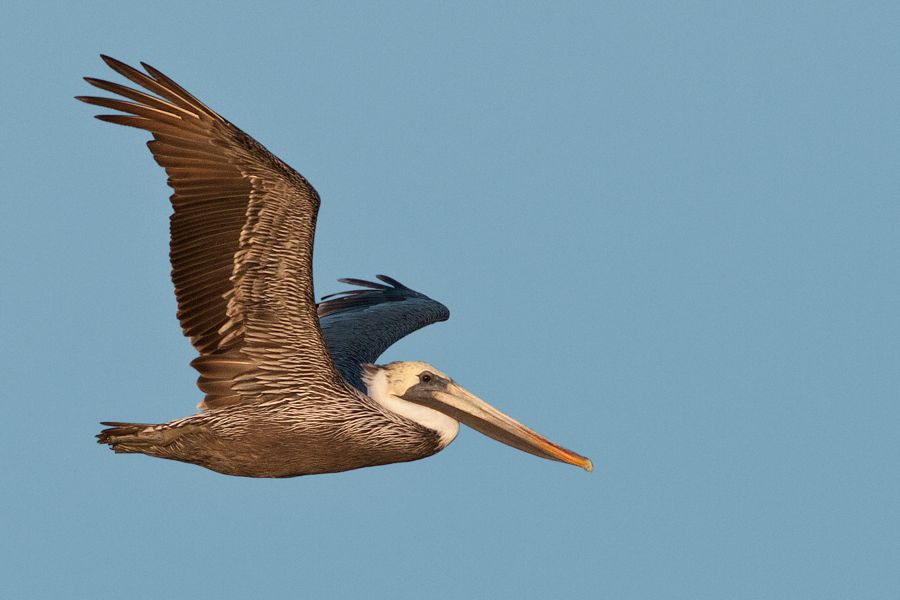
(241, 245)
(359, 325)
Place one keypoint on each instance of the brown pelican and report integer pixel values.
(290, 388)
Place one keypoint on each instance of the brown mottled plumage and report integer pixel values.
(241, 251)
(276, 403)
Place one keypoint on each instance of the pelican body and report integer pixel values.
(289, 385)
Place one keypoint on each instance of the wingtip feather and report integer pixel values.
(391, 281)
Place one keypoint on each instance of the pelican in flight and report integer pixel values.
(290, 386)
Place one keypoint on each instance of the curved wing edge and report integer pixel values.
(360, 324)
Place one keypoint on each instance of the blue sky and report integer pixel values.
(667, 235)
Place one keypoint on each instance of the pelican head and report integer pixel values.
(420, 392)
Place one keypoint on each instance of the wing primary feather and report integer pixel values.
(241, 244)
(363, 283)
(142, 110)
(155, 86)
(127, 120)
(391, 281)
(137, 95)
(171, 85)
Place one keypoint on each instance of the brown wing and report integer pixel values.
(241, 244)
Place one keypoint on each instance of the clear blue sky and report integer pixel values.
(669, 236)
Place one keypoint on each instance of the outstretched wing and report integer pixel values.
(241, 245)
(359, 325)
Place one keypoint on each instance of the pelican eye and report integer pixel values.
(426, 377)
